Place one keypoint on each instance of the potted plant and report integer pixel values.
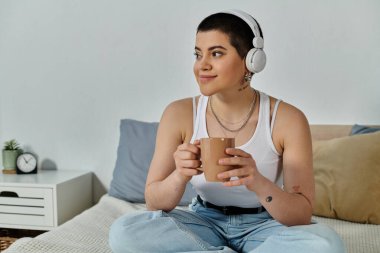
(11, 151)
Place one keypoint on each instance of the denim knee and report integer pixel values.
(121, 237)
(116, 236)
(322, 238)
(314, 238)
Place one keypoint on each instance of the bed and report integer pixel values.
(88, 231)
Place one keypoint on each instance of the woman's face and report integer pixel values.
(217, 66)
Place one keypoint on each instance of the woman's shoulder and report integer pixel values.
(290, 122)
(180, 107)
(286, 111)
(178, 117)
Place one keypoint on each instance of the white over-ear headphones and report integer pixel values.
(256, 58)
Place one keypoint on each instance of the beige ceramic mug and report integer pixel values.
(213, 149)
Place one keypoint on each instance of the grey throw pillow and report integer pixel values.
(134, 154)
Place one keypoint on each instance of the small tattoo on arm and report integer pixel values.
(268, 199)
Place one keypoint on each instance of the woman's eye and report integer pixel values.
(217, 54)
(197, 55)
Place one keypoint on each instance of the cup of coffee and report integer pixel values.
(213, 149)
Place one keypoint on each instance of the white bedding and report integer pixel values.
(88, 232)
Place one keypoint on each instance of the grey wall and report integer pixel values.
(70, 70)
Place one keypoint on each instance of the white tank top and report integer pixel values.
(260, 146)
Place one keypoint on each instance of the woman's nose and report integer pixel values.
(204, 64)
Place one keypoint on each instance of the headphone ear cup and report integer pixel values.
(255, 60)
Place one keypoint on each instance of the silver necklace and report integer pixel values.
(247, 117)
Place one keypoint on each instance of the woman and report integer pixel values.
(266, 203)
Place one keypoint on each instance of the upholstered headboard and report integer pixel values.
(326, 132)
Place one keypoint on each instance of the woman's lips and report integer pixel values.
(206, 78)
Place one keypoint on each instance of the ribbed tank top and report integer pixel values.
(260, 146)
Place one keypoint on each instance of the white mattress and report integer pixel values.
(88, 232)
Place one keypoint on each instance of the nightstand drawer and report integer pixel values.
(26, 205)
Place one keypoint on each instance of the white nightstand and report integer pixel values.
(44, 200)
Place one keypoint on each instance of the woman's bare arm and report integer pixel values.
(174, 158)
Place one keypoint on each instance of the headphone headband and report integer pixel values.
(258, 41)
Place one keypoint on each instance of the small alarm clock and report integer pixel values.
(26, 163)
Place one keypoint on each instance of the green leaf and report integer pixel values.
(11, 145)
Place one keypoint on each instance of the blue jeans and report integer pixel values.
(202, 229)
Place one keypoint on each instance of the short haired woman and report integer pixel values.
(265, 203)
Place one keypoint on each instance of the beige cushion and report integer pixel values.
(347, 178)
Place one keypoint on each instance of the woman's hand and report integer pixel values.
(187, 160)
(246, 169)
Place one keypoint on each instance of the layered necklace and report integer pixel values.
(244, 120)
